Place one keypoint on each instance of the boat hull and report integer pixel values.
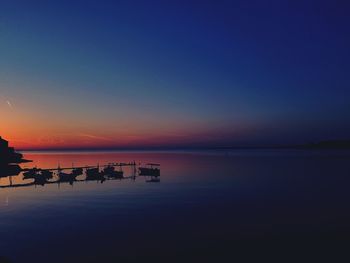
(144, 171)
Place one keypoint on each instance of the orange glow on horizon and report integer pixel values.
(32, 141)
(29, 127)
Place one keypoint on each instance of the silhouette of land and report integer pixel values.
(321, 145)
(9, 160)
(8, 155)
(333, 144)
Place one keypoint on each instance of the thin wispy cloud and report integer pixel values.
(9, 104)
(91, 136)
(5, 100)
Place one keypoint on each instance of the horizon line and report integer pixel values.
(327, 144)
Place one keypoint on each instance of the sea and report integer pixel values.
(208, 206)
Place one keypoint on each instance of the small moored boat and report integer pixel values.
(112, 173)
(94, 174)
(67, 177)
(151, 170)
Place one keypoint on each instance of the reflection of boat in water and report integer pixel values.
(153, 180)
(152, 170)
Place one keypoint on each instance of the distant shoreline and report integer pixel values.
(324, 145)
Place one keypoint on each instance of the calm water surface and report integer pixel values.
(209, 206)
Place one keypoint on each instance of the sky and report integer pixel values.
(104, 74)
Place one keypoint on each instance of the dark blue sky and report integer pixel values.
(217, 72)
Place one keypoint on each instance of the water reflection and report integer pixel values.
(209, 207)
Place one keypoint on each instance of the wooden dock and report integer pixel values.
(45, 176)
(81, 167)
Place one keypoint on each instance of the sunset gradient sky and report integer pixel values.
(96, 74)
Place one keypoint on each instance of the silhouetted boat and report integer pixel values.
(40, 180)
(109, 169)
(46, 174)
(67, 177)
(8, 154)
(112, 173)
(93, 174)
(77, 171)
(150, 171)
(31, 173)
(41, 176)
